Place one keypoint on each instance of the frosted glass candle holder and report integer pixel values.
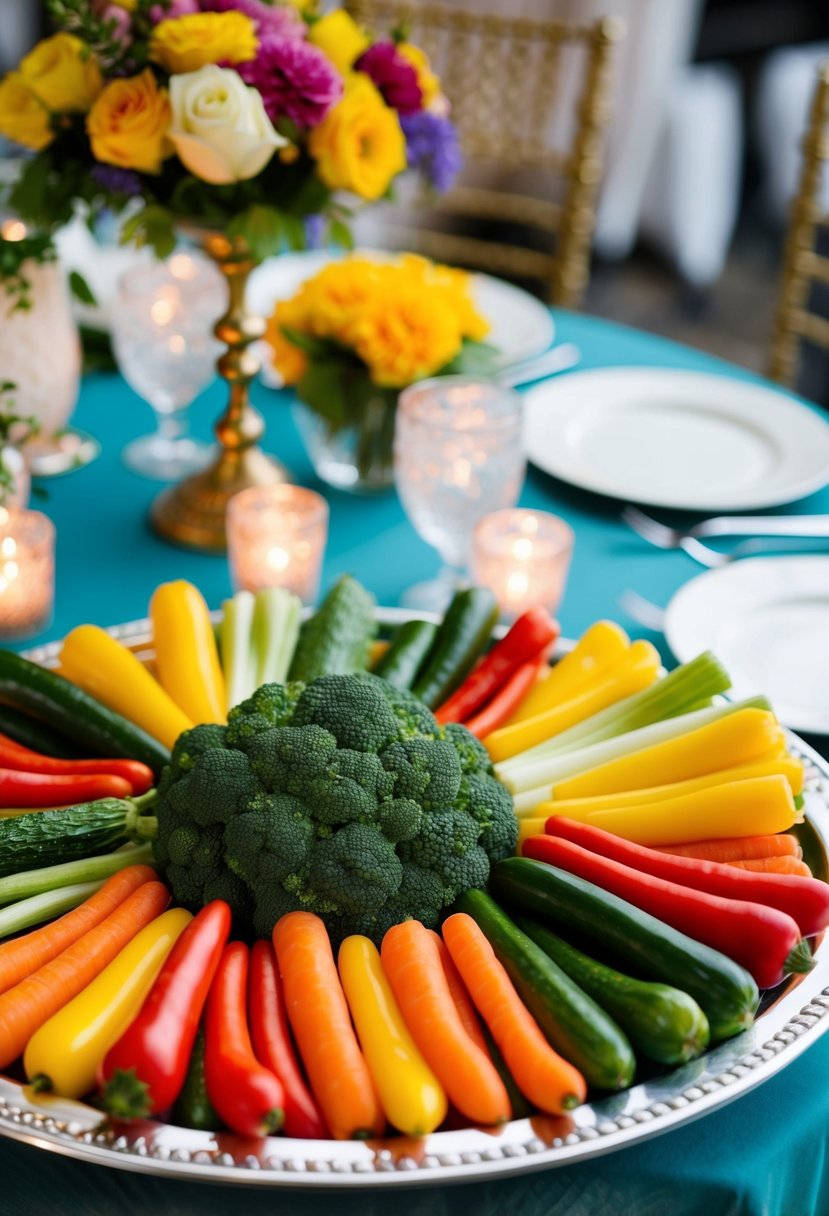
(276, 537)
(27, 572)
(523, 557)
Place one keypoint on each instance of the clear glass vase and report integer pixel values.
(356, 453)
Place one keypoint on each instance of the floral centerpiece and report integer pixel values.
(357, 333)
(263, 123)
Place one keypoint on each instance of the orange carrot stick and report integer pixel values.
(24, 1008)
(24, 955)
(412, 963)
(460, 997)
(540, 1073)
(738, 848)
(774, 865)
(321, 1023)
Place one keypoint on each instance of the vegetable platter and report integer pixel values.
(621, 1108)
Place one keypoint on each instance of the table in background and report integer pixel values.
(764, 1154)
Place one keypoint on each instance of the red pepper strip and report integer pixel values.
(806, 900)
(505, 702)
(764, 941)
(14, 755)
(274, 1048)
(246, 1095)
(158, 1044)
(34, 789)
(533, 632)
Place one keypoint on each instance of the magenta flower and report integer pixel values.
(393, 75)
(295, 79)
(173, 8)
(279, 21)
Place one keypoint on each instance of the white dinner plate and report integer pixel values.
(767, 620)
(677, 439)
(521, 326)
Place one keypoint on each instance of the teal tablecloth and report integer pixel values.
(765, 1154)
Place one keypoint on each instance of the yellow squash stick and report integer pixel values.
(601, 645)
(737, 738)
(103, 667)
(64, 1054)
(187, 658)
(637, 669)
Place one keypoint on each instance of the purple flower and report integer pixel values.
(295, 79)
(394, 76)
(279, 21)
(173, 8)
(314, 231)
(432, 147)
(116, 180)
(120, 20)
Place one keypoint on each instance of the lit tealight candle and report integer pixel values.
(27, 572)
(523, 557)
(276, 538)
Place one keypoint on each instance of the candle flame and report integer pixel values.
(278, 559)
(13, 230)
(8, 548)
(162, 311)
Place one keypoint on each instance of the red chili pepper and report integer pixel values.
(246, 1095)
(158, 1044)
(274, 1048)
(14, 755)
(505, 702)
(764, 941)
(806, 900)
(35, 789)
(533, 632)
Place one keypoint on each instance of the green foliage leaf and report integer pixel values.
(340, 234)
(474, 359)
(80, 288)
(262, 228)
(153, 226)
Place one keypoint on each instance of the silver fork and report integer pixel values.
(795, 527)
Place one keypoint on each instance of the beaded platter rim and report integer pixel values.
(786, 1028)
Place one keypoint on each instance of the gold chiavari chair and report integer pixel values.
(805, 267)
(504, 78)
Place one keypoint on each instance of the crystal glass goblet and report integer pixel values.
(162, 336)
(458, 455)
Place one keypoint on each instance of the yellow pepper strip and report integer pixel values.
(409, 1092)
(64, 1054)
(187, 657)
(737, 738)
(602, 644)
(103, 667)
(637, 669)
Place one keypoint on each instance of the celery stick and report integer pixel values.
(544, 771)
(275, 631)
(236, 648)
(39, 908)
(88, 869)
(669, 697)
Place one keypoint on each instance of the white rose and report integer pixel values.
(220, 129)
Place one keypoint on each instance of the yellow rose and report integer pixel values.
(128, 124)
(23, 118)
(359, 145)
(185, 44)
(339, 37)
(426, 78)
(63, 73)
(406, 334)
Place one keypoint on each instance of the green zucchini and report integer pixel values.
(193, 1108)
(725, 991)
(409, 647)
(663, 1023)
(35, 735)
(461, 639)
(571, 1021)
(337, 638)
(70, 711)
(46, 838)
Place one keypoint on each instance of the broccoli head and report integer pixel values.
(343, 797)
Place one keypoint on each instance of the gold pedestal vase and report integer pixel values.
(192, 513)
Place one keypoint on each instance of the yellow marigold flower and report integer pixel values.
(426, 78)
(406, 334)
(62, 72)
(128, 124)
(289, 360)
(185, 44)
(359, 145)
(339, 37)
(336, 297)
(456, 286)
(23, 118)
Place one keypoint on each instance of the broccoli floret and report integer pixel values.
(343, 797)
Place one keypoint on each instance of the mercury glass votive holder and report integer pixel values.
(27, 572)
(276, 537)
(523, 557)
